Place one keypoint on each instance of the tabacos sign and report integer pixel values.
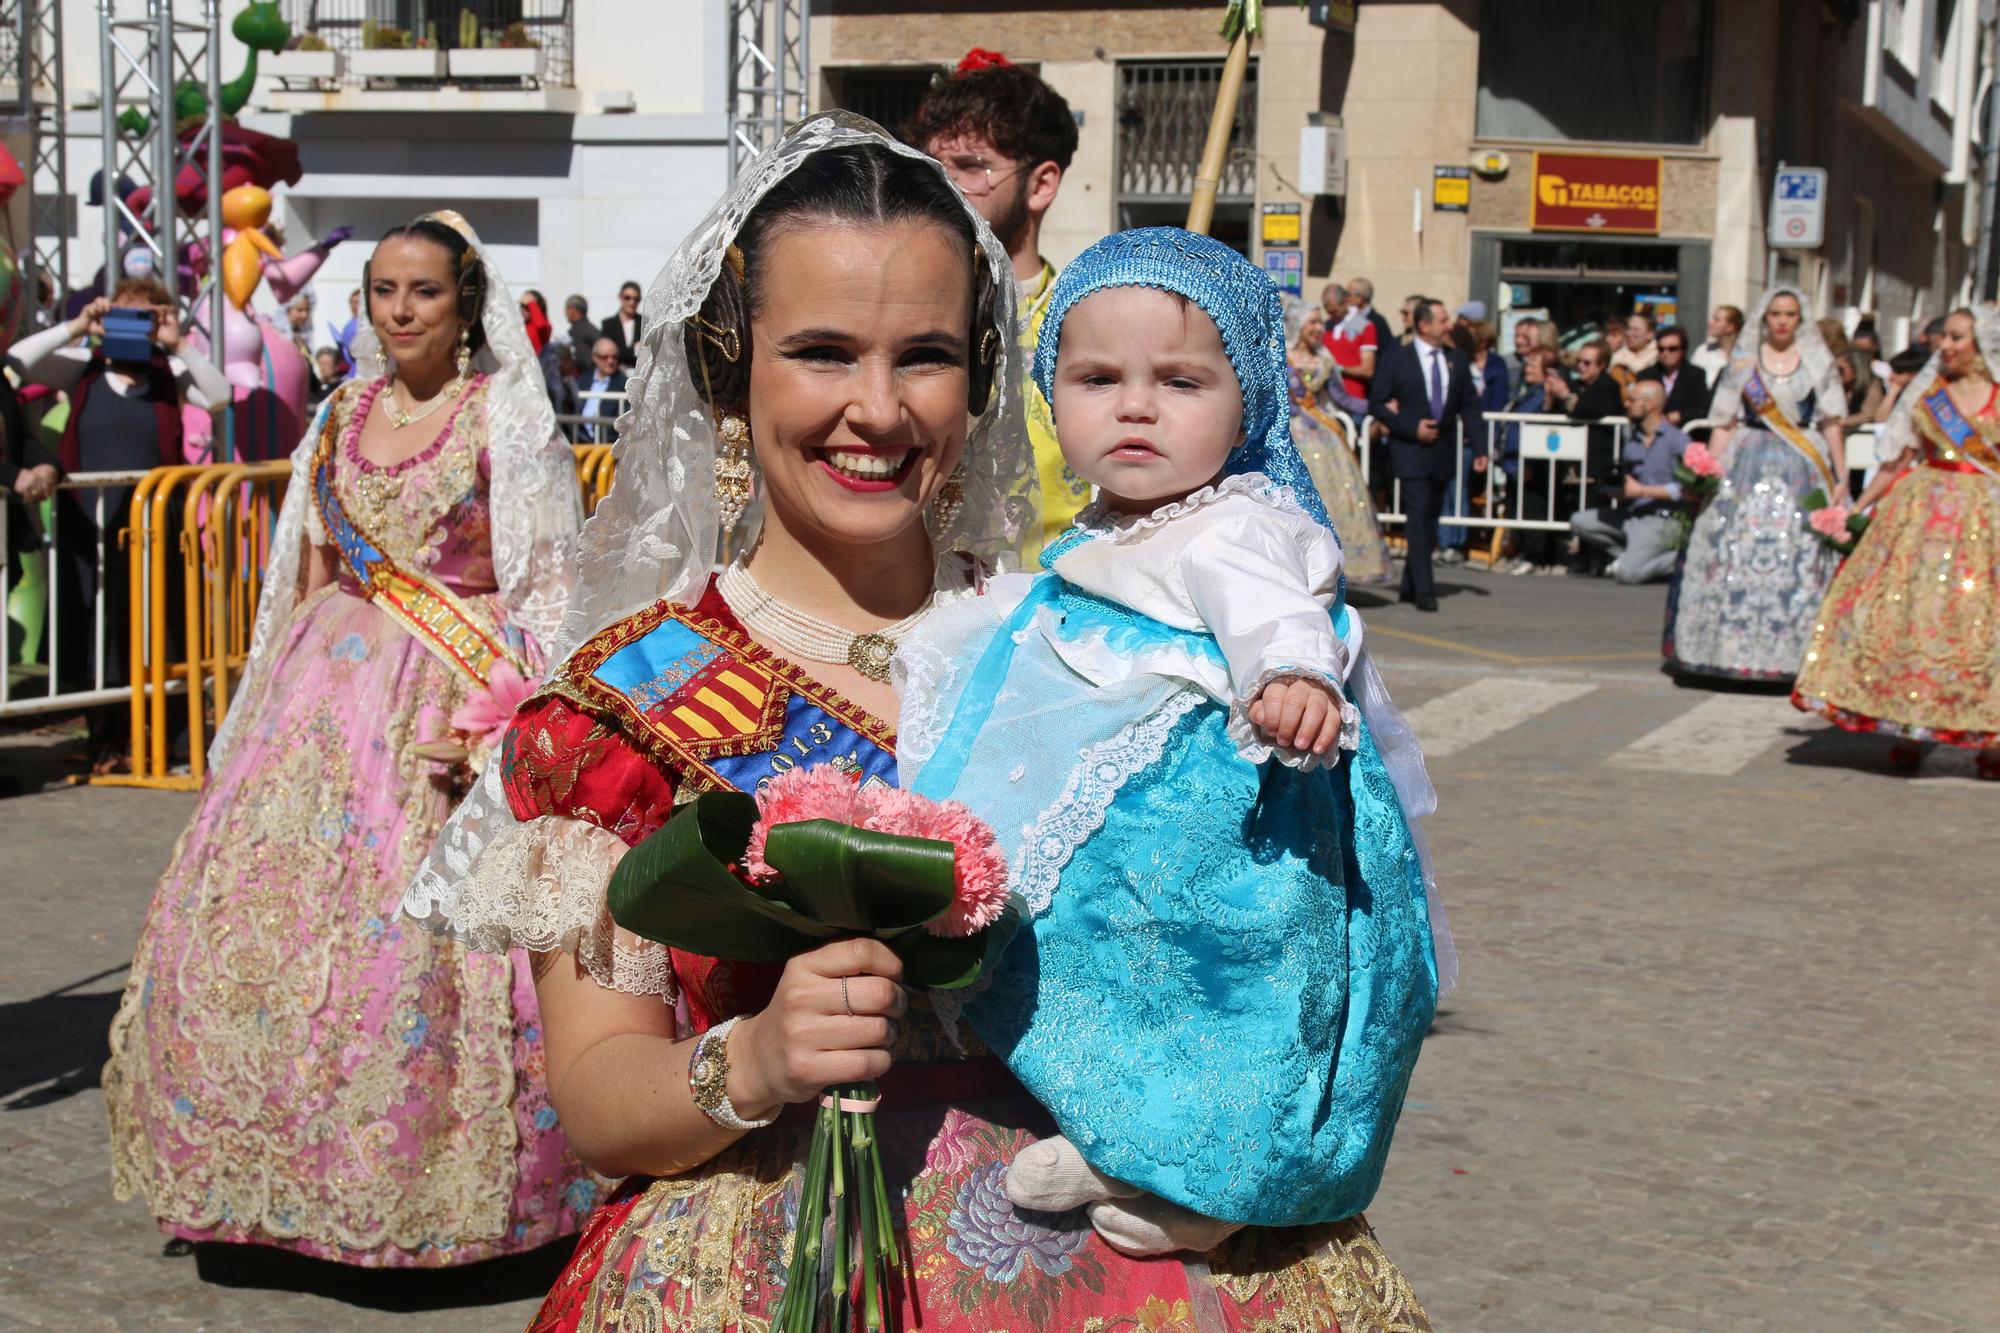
(1585, 192)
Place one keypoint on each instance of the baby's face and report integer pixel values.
(1146, 404)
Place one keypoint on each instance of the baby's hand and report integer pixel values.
(1298, 713)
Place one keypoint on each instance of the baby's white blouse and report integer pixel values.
(1240, 561)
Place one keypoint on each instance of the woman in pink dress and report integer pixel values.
(292, 1065)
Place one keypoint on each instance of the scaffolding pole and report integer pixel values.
(142, 62)
(39, 103)
(768, 64)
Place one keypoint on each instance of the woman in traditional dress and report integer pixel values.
(1742, 600)
(841, 325)
(1908, 643)
(1323, 445)
(293, 1065)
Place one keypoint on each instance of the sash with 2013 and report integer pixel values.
(717, 707)
(1967, 445)
(438, 618)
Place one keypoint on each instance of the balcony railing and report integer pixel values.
(351, 27)
(1163, 113)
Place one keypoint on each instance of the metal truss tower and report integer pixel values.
(768, 68)
(144, 62)
(38, 104)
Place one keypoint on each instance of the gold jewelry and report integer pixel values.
(732, 469)
(799, 634)
(401, 416)
(464, 352)
(726, 340)
(950, 500)
(708, 1078)
(733, 256)
(989, 346)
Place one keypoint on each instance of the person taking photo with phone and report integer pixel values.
(118, 361)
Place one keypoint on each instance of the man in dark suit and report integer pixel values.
(1426, 396)
(623, 327)
(1686, 384)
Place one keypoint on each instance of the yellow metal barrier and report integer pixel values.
(226, 513)
(594, 469)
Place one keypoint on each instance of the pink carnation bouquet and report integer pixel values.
(1833, 522)
(480, 722)
(819, 855)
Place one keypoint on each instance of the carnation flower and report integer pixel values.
(822, 791)
(980, 867)
(1830, 521)
(486, 712)
(1701, 462)
(826, 792)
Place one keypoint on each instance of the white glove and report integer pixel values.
(1051, 1176)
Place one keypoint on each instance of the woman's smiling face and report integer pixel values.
(858, 380)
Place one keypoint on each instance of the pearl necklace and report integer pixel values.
(400, 417)
(796, 633)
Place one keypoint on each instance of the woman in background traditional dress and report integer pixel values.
(1742, 601)
(1908, 643)
(1323, 444)
(292, 1064)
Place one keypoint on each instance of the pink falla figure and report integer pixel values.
(269, 372)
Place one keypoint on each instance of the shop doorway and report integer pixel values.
(1584, 284)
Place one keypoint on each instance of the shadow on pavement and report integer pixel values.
(42, 756)
(54, 1046)
(518, 1277)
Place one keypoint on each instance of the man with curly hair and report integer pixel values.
(1006, 138)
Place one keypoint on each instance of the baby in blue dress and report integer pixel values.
(1209, 803)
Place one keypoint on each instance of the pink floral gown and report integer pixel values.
(294, 1064)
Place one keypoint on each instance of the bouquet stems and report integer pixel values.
(844, 1184)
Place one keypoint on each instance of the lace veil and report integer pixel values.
(1900, 431)
(656, 537)
(1815, 358)
(536, 504)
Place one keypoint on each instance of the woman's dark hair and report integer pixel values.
(471, 273)
(863, 183)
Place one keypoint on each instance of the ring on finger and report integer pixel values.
(846, 1003)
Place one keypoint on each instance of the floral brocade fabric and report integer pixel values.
(709, 1250)
(1908, 643)
(293, 1064)
(1331, 461)
(1743, 597)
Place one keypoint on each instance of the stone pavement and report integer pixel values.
(1722, 1056)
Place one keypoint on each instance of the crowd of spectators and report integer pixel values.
(1658, 378)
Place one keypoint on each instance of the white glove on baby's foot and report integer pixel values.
(1051, 1176)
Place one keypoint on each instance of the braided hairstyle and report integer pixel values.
(471, 273)
(862, 183)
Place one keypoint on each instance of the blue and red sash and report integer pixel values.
(1963, 442)
(1759, 397)
(438, 618)
(717, 707)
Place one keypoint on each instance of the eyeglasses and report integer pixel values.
(975, 175)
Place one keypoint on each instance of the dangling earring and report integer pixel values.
(464, 352)
(950, 500)
(732, 469)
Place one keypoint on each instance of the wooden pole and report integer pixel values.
(1215, 153)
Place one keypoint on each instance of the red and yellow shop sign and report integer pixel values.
(1584, 192)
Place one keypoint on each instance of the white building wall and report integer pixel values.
(569, 196)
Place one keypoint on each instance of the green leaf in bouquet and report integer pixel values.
(859, 881)
(676, 888)
(1858, 523)
(947, 964)
(1815, 499)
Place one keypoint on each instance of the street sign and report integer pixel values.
(1281, 224)
(1287, 268)
(1322, 159)
(1798, 208)
(1451, 189)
